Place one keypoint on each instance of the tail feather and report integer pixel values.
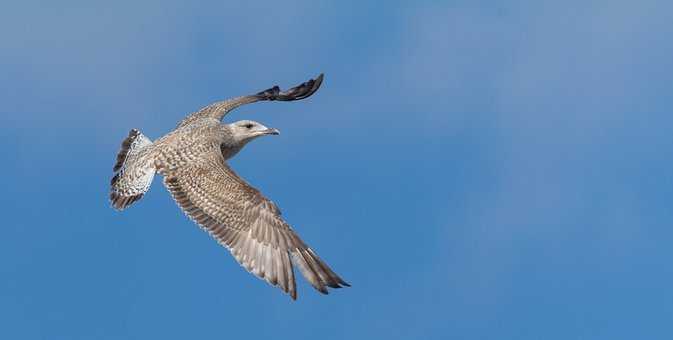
(133, 142)
(133, 169)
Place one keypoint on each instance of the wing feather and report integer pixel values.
(219, 109)
(240, 218)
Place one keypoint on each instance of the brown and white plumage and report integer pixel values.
(219, 109)
(133, 171)
(192, 160)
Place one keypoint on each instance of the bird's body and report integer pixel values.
(192, 159)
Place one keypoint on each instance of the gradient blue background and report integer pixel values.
(476, 169)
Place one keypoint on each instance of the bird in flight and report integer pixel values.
(193, 162)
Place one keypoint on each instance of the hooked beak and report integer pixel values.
(271, 131)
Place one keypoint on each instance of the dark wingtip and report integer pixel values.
(301, 91)
(318, 81)
(342, 282)
(339, 283)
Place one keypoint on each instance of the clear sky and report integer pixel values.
(475, 169)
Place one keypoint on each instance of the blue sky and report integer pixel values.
(475, 169)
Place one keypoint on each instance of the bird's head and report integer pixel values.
(247, 130)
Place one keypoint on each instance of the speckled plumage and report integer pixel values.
(192, 159)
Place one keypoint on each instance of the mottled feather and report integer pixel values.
(133, 169)
(240, 218)
(192, 159)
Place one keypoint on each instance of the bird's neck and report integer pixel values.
(229, 151)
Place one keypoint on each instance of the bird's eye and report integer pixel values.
(248, 126)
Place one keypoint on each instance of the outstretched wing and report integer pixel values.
(220, 109)
(240, 218)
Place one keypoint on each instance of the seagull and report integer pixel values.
(193, 162)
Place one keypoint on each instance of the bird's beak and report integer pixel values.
(271, 131)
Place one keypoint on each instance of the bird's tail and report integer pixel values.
(134, 171)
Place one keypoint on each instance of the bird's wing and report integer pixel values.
(218, 110)
(240, 218)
